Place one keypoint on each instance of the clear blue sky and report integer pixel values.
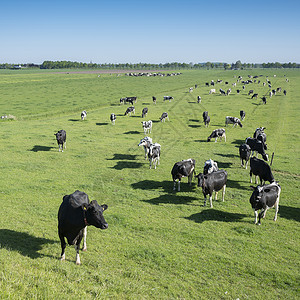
(115, 31)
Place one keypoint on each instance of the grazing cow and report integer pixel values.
(274, 92)
(264, 100)
(184, 168)
(154, 154)
(130, 110)
(210, 166)
(122, 100)
(144, 112)
(198, 99)
(245, 152)
(212, 91)
(233, 120)
(74, 215)
(113, 118)
(237, 91)
(242, 115)
(261, 169)
(168, 98)
(278, 90)
(260, 135)
(130, 100)
(154, 99)
(263, 198)
(254, 96)
(284, 92)
(61, 137)
(147, 126)
(191, 89)
(214, 181)
(222, 92)
(146, 142)
(83, 115)
(164, 116)
(228, 92)
(250, 92)
(257, 146)
(206, 83)
(217, 133)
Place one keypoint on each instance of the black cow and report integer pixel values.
(83, 115)
(250, 92)
(154, 99)
(264, 100)
(261, 169)
(233, 120)
(257, 146)
(237, 91)
(214, 181)
(130, 110)
(184, 168)
(130, 100)
(254, 96)
(164, 116)
(113, 118)
(74, 215)
(242, 115)
(217, 133)
(206, 118)
(245, 152)
(168, 98)
(61, 137)
(260, 135)
(144, 112)
(263, 198)
(284, 92)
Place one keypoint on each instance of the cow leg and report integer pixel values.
(246, 164)
(77, 254)
(216, 196)
(250, 176)
(178, 185)
(256, 181)
(174, 186)
(223, 193)
(210, 200)
(276, 209)
(255, 215)
(63, 247)
(190, 178)
(242, 163)
(84, 238)
(204, 200)
(65, 145)
(216, 139)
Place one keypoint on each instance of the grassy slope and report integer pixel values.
(159, 243)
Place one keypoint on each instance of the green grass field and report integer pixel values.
(159, 244)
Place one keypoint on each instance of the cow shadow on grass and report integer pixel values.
(102, 124)
(132, 132)
(291, 213)
(194, 126)
(234, 184)
(37, 148)
(216, 215)
(227, 155)
(194, 120)
(171, 198)
(119, 156)
(74, 120)
(238, 142)
(24, 243)
(201, 141)
(153, 185)
(123, 164)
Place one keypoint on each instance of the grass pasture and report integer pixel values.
(159, 244)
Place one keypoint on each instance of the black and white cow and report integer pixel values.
(74, 215)
(199, 99)
(144, 112)
(154, 154)
(212, 91)
(245, 153)
(250, 92)
(164, 116)
(261, 169)
(242, 115)
(260, 135)
(154, 99)
(168, 98)
(263, 198)
(146, 142)
(61, 137)
(147, 126)
(214, 181)
(254, 96)
(129, 110)
(210, 166)
(222, 92)
(184, 168)
(83, 115)
(233, 120)
(264, 100)
(113, 118)
(206, 118)
(217, 133)
(257, 146)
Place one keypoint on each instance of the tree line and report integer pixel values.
(147, 66)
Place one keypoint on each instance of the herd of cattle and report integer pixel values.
(77, 212)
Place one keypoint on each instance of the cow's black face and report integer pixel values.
(95, 214)
(200, 179)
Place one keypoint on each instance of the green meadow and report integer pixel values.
(160, 243)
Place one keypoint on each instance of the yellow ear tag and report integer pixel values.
(84, 208)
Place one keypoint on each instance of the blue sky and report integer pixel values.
(115, 31)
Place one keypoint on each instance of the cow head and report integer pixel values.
(94, 214)
(200, 177)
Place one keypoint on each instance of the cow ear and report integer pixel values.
(104, 206)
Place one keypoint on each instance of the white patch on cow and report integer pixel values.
(84, 238)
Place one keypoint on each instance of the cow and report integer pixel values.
(113, 118)
(146, 142)
(284, 92)
(238, 91)
(198, 99)
(222, 92)
(75, 213)
(184, 168)
(264, 100)
(206, 121)
(261, 169)
(250, 92)
(129, 110)
(144, 112)
(164, 116)
(212, 91)
(260, 135)
(210, 166)
(147, 126)
(242, 115)
(257, 146)
(254, 96)
(228, 92)
(61, 137)
(130, 100)
(168, 98)
(245, 153)
(154, 154)
(83, 115)
(217, 133)
(263, 198)
(233, 120)
(154, 99)
(191, 90)
(122, 100)
(214, 181)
